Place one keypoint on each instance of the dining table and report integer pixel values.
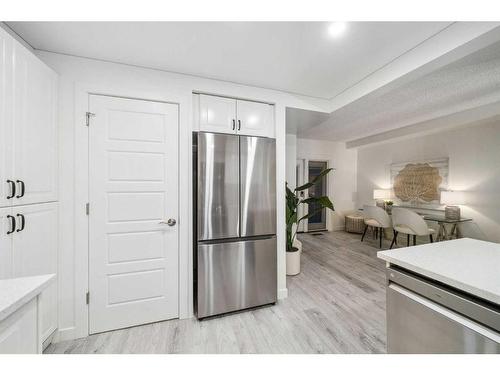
(442, 221)
(443, 233)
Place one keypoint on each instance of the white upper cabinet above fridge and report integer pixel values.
(255, 119)
(233, 116)
(217, 114)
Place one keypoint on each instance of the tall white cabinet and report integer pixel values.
(28, 171)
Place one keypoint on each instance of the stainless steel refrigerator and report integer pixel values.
(235, 222)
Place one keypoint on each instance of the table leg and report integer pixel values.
(446, 236)
(440, 235)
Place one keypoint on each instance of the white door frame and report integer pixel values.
(327, 186)
(301, 179)
(304, 168)
(81, 182)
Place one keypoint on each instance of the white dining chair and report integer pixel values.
(376, 218)
(410, 223)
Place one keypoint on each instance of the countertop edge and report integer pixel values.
(481, 293)
(32, 292)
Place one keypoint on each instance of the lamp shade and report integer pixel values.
(452, 197)
(381, 194)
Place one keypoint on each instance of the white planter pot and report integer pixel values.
(293, 260)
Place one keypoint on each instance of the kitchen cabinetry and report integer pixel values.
(234, 116)
(28, 171)
(19, 332)
(20, 320)
(28, 152)
(29, 248)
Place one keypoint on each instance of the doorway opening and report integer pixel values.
(306, 170)
(318, 220)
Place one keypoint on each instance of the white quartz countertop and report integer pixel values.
(469, 265)
(14, 293)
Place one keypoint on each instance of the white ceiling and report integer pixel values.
(469, 82)
(302, 120)
(297, 57)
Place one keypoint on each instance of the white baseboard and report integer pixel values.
(338, 228)
(64, 334)
(282, 293)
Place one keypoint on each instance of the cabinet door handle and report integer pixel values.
(239, 125)
(23, 222)
(234, 124)
(12, 224)
(12, 189)
(21, 183)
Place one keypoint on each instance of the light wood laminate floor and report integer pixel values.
(336, 305)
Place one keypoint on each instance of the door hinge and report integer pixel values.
(88, 115)
(87, 298)
(87, 208)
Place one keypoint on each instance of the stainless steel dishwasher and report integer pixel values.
(424, 316)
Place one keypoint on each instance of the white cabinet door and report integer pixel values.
(19, 331)
(134, 177)
(6, 188)
(255, 119)
(7, 224)
(217, 114)
(34, 252)
(34, 129)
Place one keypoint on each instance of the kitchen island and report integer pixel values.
(444, 297)
(20, 318)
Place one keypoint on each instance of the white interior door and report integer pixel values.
(133, 255)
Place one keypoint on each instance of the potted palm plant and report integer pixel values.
(293, 249)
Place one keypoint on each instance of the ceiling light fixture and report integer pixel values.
(336, 29)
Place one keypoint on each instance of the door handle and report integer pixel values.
(234, 124)
(12, 224)
(21, 183)
(169, 222)
(23, 222)
(12, 189)
(239, 124)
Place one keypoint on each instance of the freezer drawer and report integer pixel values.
(258, 186)
(235, 275)
(417, 325)
(218, 186)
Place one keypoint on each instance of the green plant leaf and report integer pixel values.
(310, 214)
(314, 180)
(293, 202)
(323, 201)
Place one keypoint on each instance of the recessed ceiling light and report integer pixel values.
(336, 29)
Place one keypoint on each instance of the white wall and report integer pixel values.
(79, 76)
(291, 160)
(474, 157)
(341, 182)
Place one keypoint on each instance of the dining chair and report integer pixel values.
(376, 218)
(410, 223)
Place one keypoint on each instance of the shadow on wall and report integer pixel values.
(483, 205)
(472, 230)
